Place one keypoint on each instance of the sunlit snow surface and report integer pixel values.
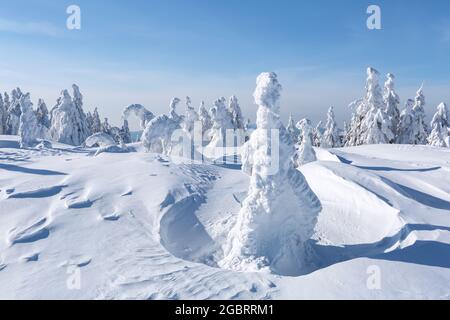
(140, 226)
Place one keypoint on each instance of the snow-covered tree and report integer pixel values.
(391, 100)
(157, 136)
(142, 113)
(305, 151)
(420, 129)
(125, 135)
(69, 123)
(370, 123)
(344, 134)
(191, 116)
(83, 128)
(29, 129)
(222, 121)
(236, 113)
(42, 114)
(204, 118)
(318, 133)
(293, 130)
(13, 112)
(106, 127)
(43, 119)
(280, 211)
(330, 138)
(96, 122)
(173, 111)
(439, 136)
(2, 115)
(405, 131)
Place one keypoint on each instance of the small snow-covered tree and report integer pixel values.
(294, 132)
(100, 139)
(236, 113)
(280, 211)
(29, 129)
(317, 134)
(405, 131)
(125, 134)
(142, 113)
(330, 138)
(305, 151)
(204, 118)
(191, 116)
(391, 100)
(106, 127)
(439, 136)
(69, 123)
(13, 112)
(96, 122)
(2, 115)
(419, 126)
(222, 121)
(83, 128)
(42, 114)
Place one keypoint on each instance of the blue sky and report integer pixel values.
(146, 52)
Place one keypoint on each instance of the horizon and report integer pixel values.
(132, 53)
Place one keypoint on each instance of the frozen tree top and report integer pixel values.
(267, 92)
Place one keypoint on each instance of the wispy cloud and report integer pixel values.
(30, 27)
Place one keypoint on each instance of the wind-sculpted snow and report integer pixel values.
(99, 139)
(140, 226)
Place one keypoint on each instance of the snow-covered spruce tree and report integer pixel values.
(236, 113)
(68, 125)
(370, 124)
(106, 127)
(29, 129)
(42, 114)
(279, 214)
(83, 127)
(405, 131)
(344, 134)
(420, 130)
(222, 121)
(305, 151)
(138, 110)
(2, 115)
(318, 133)
(294, 132)
(96, 122)
(439, 136)
(205, 119)
(13, 112)
(125, 135)
(191, 116)
(330, 138)
(391, 100)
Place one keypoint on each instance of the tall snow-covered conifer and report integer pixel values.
(439, 136)
(330, 138)
(29, 130)
(405, 132)
(305, 151)
(294, 132)
(391, 100)
(278, 196)
(420, 130)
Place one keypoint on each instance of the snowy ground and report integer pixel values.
(138, 226)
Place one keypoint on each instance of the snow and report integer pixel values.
(138, 226)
